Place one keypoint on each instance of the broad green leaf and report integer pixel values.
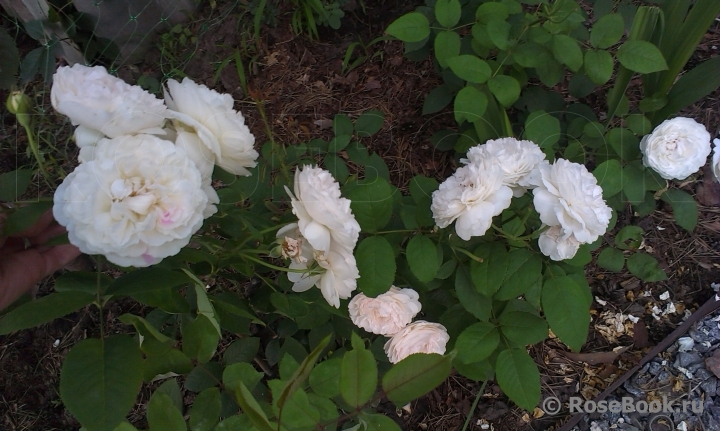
(241, 372)
(297, 413)
(125, 427)
(13, 184)
(624, 142)
(447, 12)
(411, 27)
(518, 377)
(205, 411)
(477, 342)
(376, 263)
(498, 31)
(79, 281)
(422, 258)
(422, 188)
(478, 371)
(607, 31)
(10, 60)
(43, 310)
(242, 350)
(609, 177)
(325, 378)
(542, 128)
(169, 300)
(235, 305)
(489, 274)
(369, 123)
(567, 51)
(447, 46)
(372, 204)
(437, 99)
(415, 376)
(204, 307)
(470, 68)
(598, 66)
(171, 388)
(470, 105)
(152, 341)
(474, 302)
(358, 377)
(522, 327)
(100, 380)
(339, 142)
(302, 373)
(378, 422)
(639, 124)
(634, 183)
(685, 210)
(611, 259)
(491, 11)
(24, 217)
(505, 88)
(629, 237)
(252, 409)
(336, 166)
(204, 376)
(162, 415)
(172, 360)
(342, 125)
(645, 267)
(235, 423)
(691, 87)
(566, 310)
(641, 56)
(199, 338)
(524, 269)
(531, 54)
(146, 279)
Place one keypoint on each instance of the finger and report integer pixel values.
(51, 232)
(38, 227)
(19, 272)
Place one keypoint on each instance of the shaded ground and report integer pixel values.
(302, 84)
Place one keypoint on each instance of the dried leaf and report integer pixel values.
(595, 358)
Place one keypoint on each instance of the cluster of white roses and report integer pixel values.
(143, 188)
(566, 195)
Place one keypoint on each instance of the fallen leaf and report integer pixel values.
(713, 363)
(324, 124)
(595, 358)
(640, 335)
(372, 85)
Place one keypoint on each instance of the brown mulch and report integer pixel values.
(300, 84)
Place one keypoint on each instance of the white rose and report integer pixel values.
(558, 245)
(417, 337)
(473, 195)
(220, 127)
(676, 148)
(334, 272)
(324, 215)
(387, 313)
(716, 159)
(567, 195)
(516, 159)
(137, 201)
(92, 98)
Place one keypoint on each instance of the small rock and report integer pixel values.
(634, 390)
(686, 359)
(654, 368)
(664, 376)
(712, 363)
(709, 386)
(702, 374)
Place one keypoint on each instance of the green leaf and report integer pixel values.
(691, 87)
(518, 377)
(447, 12)
(524, 269)
(624, 142)
(336, 166)
(171, 388)
(325, 378)
(470, 68)
(302, 373)
(422, 258)
(342, 125)
(24, 217)
(369, 123)
(10, 60)
(470, 105)
(376, 263)
(634, 183)
(505, 88)
(13, 184)
(378, 422)
(489, 274)
(522, 327)
(491, 11)
(205, 411)
(415, 376)
(422, 188)
(607, 31)
(146, 279)
(641, 56)
(639, 124)
(297, 413)
(598, 66)
(372, 204)
(567, 51)
(684, 207)
(477, 342)
(162, 415)
(566, 310)
(100, 380)
(474, 302)
(531, 54)
(152, 341)
(438, 98)
(235, 423)
(358, 376)
(411, 27)
(542, 128)
(78, 281)
(43, 310)
(498, 32)
(172, 360)
(252, 409)
(629, 233)
(339, 142)
(645, 267)
(238, 373)
(611, 259)
(199, 338)
(242, 350)
(204, 376)
(447, 45)
(609, 177)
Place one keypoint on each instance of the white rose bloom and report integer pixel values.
(339, 275)
(716, 159)
(516, 159)
(471, 197)
(417, 337)
(324, 215)
(676, 148)
(137, 201)
(387, 313)
(102, 103)
(558, 245)
(567, 195)
(220, 127)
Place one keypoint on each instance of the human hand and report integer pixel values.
(22, 267)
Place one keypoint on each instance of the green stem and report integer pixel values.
(33, 144)
(468, 254)
(275, 267)
(474, 405)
